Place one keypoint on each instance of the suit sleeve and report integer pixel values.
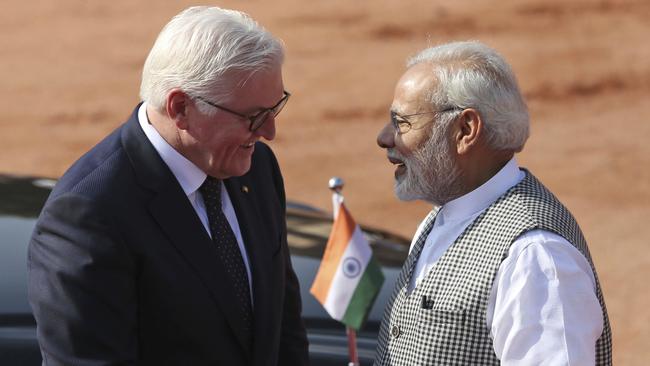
(293, 343)
(81, 286)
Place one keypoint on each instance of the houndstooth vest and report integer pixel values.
(443, 320)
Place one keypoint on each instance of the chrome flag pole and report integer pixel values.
(336, 185)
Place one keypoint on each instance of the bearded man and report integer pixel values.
(499, 272)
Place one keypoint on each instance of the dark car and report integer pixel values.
(21, 200)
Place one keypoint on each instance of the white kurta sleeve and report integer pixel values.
(543, 309)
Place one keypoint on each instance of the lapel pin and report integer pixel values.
(244, 189)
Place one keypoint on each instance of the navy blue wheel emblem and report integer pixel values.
(351, 267)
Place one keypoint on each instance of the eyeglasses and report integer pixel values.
(258, 119)
(402, 125)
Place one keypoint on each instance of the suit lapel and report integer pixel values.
(177, 219)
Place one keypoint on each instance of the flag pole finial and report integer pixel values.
(336, 184)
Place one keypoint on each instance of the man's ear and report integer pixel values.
(469, 130)
(176, 105)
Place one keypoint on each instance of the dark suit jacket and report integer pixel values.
(121, 270)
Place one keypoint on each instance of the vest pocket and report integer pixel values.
(432, 317)
(438, 332)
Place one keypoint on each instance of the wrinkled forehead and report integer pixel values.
(413, 89)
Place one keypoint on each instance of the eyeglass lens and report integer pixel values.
(400, 124)
(258, 120)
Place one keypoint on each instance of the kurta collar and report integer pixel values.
(483, 196)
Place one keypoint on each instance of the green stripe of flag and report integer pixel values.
(364, 295)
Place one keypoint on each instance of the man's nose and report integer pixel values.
(267, 130)
(386, 137)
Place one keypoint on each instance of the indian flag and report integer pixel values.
(349, 277)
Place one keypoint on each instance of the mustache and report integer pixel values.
(392, 154)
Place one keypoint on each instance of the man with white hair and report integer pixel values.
(166, 243)
(499, 271)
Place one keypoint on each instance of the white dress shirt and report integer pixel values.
(190, 177)
(543, 308)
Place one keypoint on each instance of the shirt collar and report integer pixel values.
(480, 198)
(188, 175)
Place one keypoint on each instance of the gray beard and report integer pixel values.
(431, 174)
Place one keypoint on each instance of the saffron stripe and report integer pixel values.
(344, 282)
(339, 239)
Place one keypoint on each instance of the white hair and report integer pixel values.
(472, 75)
(207, 51)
